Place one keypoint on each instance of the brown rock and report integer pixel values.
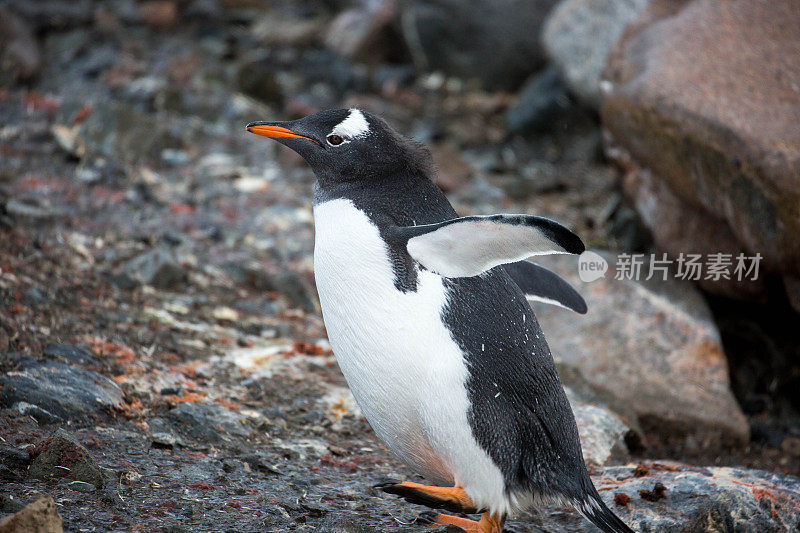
(20, 58)
(648, 349)
(159, 13)
(40, 516)
(706, 96)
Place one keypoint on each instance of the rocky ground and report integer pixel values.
(164, 363)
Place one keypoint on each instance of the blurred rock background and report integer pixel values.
(164, 364)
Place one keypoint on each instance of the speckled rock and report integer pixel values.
(651, 351)
(603, 434)
(704, 99)
(672, 498)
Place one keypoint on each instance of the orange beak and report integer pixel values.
(273, 132)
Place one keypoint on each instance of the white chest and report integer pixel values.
(405, 370)
(398, 358)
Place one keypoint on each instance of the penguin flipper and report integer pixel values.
(468, 246)
(542, 285)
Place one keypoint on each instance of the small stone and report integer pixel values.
(791, 445)
(159, 13)
(130, 478)
(258, 79)
(63, 456)
(226, 313)
(32, 208)
(542, 98)
(621, 499)
(69, 140)
(13, 463)
(81, 486)
(207, 423)
(273, 29)
(284, 281)
(39, 517)
(157, 267)
(659, 492)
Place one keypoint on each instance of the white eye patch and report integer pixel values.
(353, 126)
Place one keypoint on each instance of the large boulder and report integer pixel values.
(579, 35)
(703, 104)
(651, 352)
(496, 42)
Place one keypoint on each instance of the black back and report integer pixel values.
(528, 428)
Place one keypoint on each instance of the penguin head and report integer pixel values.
(349, 145)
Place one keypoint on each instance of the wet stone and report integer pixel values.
(61, 390)
(207, 423)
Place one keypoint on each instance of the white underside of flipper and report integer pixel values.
(404, 368)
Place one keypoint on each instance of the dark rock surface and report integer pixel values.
(61, 390)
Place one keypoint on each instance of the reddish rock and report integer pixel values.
(705, 96)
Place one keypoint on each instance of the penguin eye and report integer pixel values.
(335, 140)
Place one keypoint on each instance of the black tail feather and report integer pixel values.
(596, 511)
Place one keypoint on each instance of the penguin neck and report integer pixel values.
(397, 200)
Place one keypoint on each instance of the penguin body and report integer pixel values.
(434, 336)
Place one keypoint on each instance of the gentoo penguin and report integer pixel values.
(426, 314)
